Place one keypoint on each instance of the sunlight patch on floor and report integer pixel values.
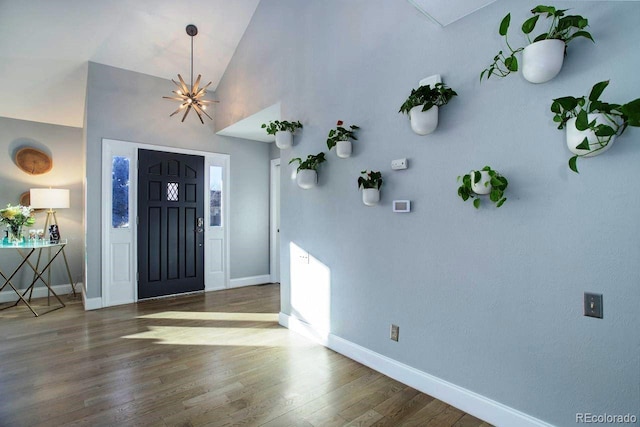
(204, 315)
(250, 337)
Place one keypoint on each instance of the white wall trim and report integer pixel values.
(91, 303)
(250, 281)
(117, 147)
(8, 295)
(466, 400)
(273, 227)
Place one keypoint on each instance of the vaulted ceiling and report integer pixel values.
(45, 45)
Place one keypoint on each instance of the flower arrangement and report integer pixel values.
(341, 133)
(15, 217)
(371, 179)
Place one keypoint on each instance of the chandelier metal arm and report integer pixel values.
(190, 96)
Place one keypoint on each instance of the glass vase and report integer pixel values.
(15, 235)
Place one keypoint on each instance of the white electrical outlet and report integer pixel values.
(399, 164)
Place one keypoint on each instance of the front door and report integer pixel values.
(171, 223)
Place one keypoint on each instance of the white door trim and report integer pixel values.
(273, 227)
(115, 147)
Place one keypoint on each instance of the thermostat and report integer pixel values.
(402, 205)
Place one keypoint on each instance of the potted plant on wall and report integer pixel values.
(370, 184)
(542, 59)
(307, 172)
(340, 138)
(283, 130)
(422, 106)
(592, 125)
(483, 182)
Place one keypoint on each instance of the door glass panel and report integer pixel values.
(215, 193)
(120, 192)
(172, 191)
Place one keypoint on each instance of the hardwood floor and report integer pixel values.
(215, 359)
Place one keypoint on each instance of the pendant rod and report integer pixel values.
(191, 62)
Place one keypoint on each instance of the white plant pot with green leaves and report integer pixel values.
(423, 104)
(344, 149)
(542, 60)
(480, 183)
(340, 138)
(543, 57)
(596, 145)
(306, 178)
(307, 172)
(283, 131)
(483, 185)
(592, 125)
(423, 122)
(370, 184)
(284, 139)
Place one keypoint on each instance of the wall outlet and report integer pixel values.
(399, 164)
(593, 305)
(395, 332)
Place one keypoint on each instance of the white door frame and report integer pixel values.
(274, 200)
(126, 290)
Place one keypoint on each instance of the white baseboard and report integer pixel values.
(466, 400)
(218, 288)
(91, 303)
(249, 281)
(7, 295)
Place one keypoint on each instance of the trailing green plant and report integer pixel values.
(312, 162)
(276, 125)
(428, 96)
(618, 118)
(341, 133)
(371, 179)
(562, 27)
(498, 186)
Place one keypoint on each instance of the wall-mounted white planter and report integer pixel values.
(423, 122)
(370, 196)
(483, 186)
(542, 60)
(343, 149)
(284, 139)
(306, 178)
(575, 137)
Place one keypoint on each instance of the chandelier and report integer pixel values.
(190, 97)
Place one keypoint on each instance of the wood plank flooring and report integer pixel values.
(215, 359)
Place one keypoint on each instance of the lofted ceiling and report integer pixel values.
(45, 46)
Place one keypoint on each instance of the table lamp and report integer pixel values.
(50, 199)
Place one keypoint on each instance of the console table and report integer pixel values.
(25, 250)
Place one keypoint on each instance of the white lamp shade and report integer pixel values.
(49, 198)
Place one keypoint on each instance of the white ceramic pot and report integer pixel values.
(284, 139)
(370, 196)
(575, 137)
(423, 122)
(483, 186)
(343, 149)
(542, 61)
(306, 178)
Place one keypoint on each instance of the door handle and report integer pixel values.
(200, 225)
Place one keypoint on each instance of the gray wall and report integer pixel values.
(128, 106)
(64, 145)
(490, 300)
